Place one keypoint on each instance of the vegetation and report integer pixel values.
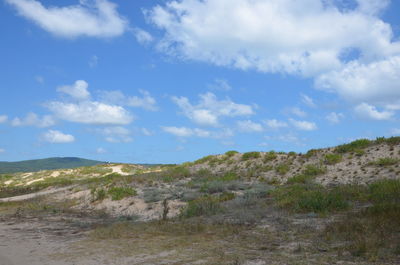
(231, 153)
(332, 159)
(270, 156)
(46, 164)
(353, 146)
(118, 193)
(282, 169)
(384, 162)
(250, 155)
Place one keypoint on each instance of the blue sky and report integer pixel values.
(152, 81)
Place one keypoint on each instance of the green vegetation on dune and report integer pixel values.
(46, 164)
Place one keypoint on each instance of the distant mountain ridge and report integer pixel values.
(46, 164)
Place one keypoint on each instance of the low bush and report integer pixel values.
(270, 156)
(332, 159)
(250, 155)
(314, 170)
(282, 169)
(384, 162)
(231, 153)
(310, 198)
(118, 193)
(207, 205)
(353, 146)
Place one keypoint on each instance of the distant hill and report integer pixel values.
(46, 164)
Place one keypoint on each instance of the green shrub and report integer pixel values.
(229, 176)
(292, 153)
(270, 156)
(385, 191)
(282, 169)
(204, 160)
(310, 198)
(207, 206)
(386, 161)
(314, 170)
(299, 179)
(311, 152)
(118, 193)
(231, 153)
(98, 194)
(353, 146)
(332, 159)
(250, 155)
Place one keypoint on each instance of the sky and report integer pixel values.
(169, 81)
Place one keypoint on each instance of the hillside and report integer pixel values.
(46, 164)
(337, 205)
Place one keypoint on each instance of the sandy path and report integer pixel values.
(33, 195)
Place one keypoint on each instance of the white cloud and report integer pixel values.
(116, 134)
(93, 61)
(146, 132)
(307, 101)
(39, 79)
(146, 101)
(367, 111)
(32, 119)
(142, 36)
(90, 112)
(56, 137)
(3, 118)
(303, 125)
(297, 111)
(77, 91)
(275, 124)
(2, 150)
(334, 117)
(98, 18)
(272, 36)
(249, 126)
(101, 150)
(374, 83)
(209, 109)
(220, 84)
(186, 132)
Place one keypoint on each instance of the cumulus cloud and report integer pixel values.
(220, 84)
(209, 109)
(77, 91)
(2, 150)
(249, 126)
(32, 119)
(142, 36)
(297, 111)
(367, 111)
(334, 118)
(90, 112)
(3, 118)
(57, 137)
(186, 132)
(116, 134)
(91, 18)
(307, 101)
(375, 83)
(271, 36)
(303, 125)
(146, 101)
(275, 124)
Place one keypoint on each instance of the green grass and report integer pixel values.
(332, 159)
(231, 153)
(203, 206)
(310, 198)
(282, 169)
(118, 193)
(314, 170)
(373, 232)
(354, 146)
(384, 162)
(270, 156)
(250, 155)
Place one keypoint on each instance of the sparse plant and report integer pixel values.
(332, 159)
(251, 155)
(118, 193)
